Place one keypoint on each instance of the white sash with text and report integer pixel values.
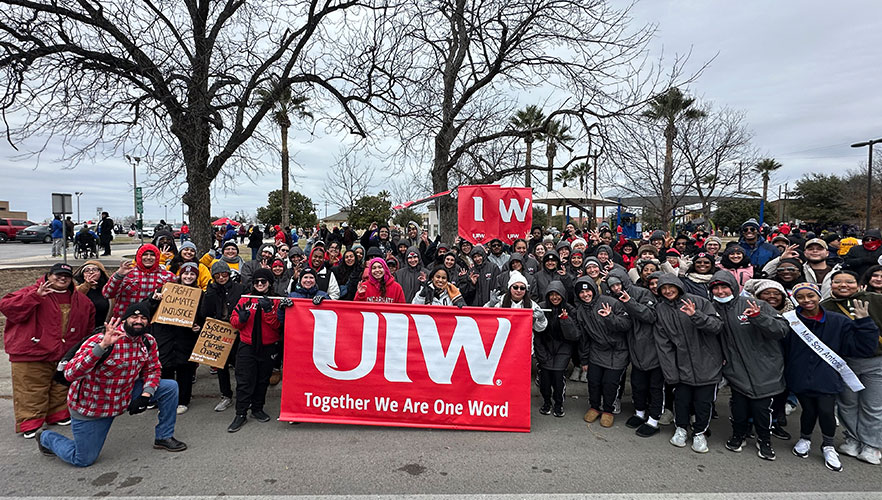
(825, 353)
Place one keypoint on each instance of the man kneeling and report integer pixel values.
(112, 371)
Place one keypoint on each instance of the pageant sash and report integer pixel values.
(824, 352)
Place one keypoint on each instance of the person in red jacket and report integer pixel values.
(259, 334)
(135, 282)
(379, 285)
(43, 321)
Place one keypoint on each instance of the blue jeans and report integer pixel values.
(89, 435)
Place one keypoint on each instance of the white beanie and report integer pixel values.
(755, 286)
(578, 241)
(517, 277)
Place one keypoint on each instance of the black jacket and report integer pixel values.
(641, 311)
(689, 350)
(554, 346)
(478, 294)
(174, 343)
(603, 339)
(409, 277)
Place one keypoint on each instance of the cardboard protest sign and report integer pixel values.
(214, 344)
(178, 305)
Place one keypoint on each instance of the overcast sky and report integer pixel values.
(806, 73)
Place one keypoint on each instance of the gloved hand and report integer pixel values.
(265, 303)
(460, 304)
(537, 313)
(138, 405)
(286, 302)
(317, 300)
(243, 313)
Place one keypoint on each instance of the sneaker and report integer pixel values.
(237, 424)
(545, 409)
(870, 455)
(699, 443)
(64, 422)
(212, 371)
(634, 422)
(29, 434)
(789, 408)
(169, 444)
(802, 447)
(583, 377)
(591, 415)
(193, 380)
(182, 409)
(850, 447)
(45, 451)
(606, 420)
(617, 406)
(779, 432)
(151, 405)
(575, 374)
(647, 430)
(735, 443)
(764, 450)
(260, 416)
(225, 403)
(276, 377)
(831, 459)
(679, 438)
(559, 412)
(666, 418)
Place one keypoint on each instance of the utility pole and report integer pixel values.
(740, 173)
(139, 223)
(78, 193)
(784, 208)
(869, 175)
(780, 205)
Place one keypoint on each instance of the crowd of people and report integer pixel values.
(786, 318)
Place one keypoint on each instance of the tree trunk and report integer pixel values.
(198, 200)
(668, 177)
(286, 211)
(528, 173)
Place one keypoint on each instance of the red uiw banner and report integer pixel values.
(407, 365)
(487, 212)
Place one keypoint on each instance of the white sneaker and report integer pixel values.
(870, 455)
(831, 459)
(699, 443)
(789, 408)
(583, 377)
(802, 447)
(225, 403)
(679, 438)
(575, 375)
(666, 418)
(182, 409)
(850, 447)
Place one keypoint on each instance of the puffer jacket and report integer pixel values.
(689, 350)
(641, 311)
(554, 346)
(603, 340)
(751, 346)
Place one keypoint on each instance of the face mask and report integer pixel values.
(724, 300)
(873, 245)
(134, 331)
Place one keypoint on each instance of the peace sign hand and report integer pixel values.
(753, 309)
(605, 310)
(688, 307)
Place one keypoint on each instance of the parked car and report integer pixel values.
(36, 233)
(9, 228)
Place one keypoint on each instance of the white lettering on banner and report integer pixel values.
(439, 365)
(479, 208)
(513, 208)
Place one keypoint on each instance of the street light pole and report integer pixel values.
(135, 160)
(869, 175)
(78, 193)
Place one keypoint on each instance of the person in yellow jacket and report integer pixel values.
(230, 254)
(188, 253)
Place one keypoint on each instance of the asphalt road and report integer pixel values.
(560, 455)
(14, 253)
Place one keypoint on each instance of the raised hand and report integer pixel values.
(43, 289)
(753, 309)
(688, 307)
(605, 310)
(861, 309)
(112, 332)
(624, 297)
(422, 276)
(125, 267)
(790, 252)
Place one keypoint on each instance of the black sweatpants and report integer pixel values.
(648, 391)
(552, 386)
(603, 383)
(223, 374)
(700, 398)
(817, 408)
(744, 408)
(253, 372)
(779, 402)
(183, 375)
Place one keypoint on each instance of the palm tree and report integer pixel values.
(554, 134)
(669, 108)
(284, 103)
(765, 167)
(530, 117)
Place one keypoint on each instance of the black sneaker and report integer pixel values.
(260, 415)
(647, 430)
(237, 424)
(780, 433)
(735, 443)
(559, 412)
(545, 409)
(765, 451)
(45, 451)
(151, 405)
(169, 444)
(634, 422)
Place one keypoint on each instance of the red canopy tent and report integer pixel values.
(224, 221)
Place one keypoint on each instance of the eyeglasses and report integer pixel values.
(260, 281)
(518, 287)
(283, 250)
(788, 270)
(870, 238)
(90, 270)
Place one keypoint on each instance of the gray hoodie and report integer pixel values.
(689, 350)
(641, 311)
(751, 346)
(604, 339)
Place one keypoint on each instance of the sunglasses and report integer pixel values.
(283, 250)
(518, 287)
(788, 270)
(749, 230)
(260, 281)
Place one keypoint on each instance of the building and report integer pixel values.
(5, 213)
(335, 220)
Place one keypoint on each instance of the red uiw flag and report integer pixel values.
(487, 212)
(407, 365)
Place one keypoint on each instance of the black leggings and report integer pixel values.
(817, 408)
(553, 386)
(603, 383)
(183, 374)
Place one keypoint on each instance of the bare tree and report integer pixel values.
(347, 182)
(175, 81)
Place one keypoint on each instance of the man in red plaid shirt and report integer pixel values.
(136, 282)
(111, 372)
